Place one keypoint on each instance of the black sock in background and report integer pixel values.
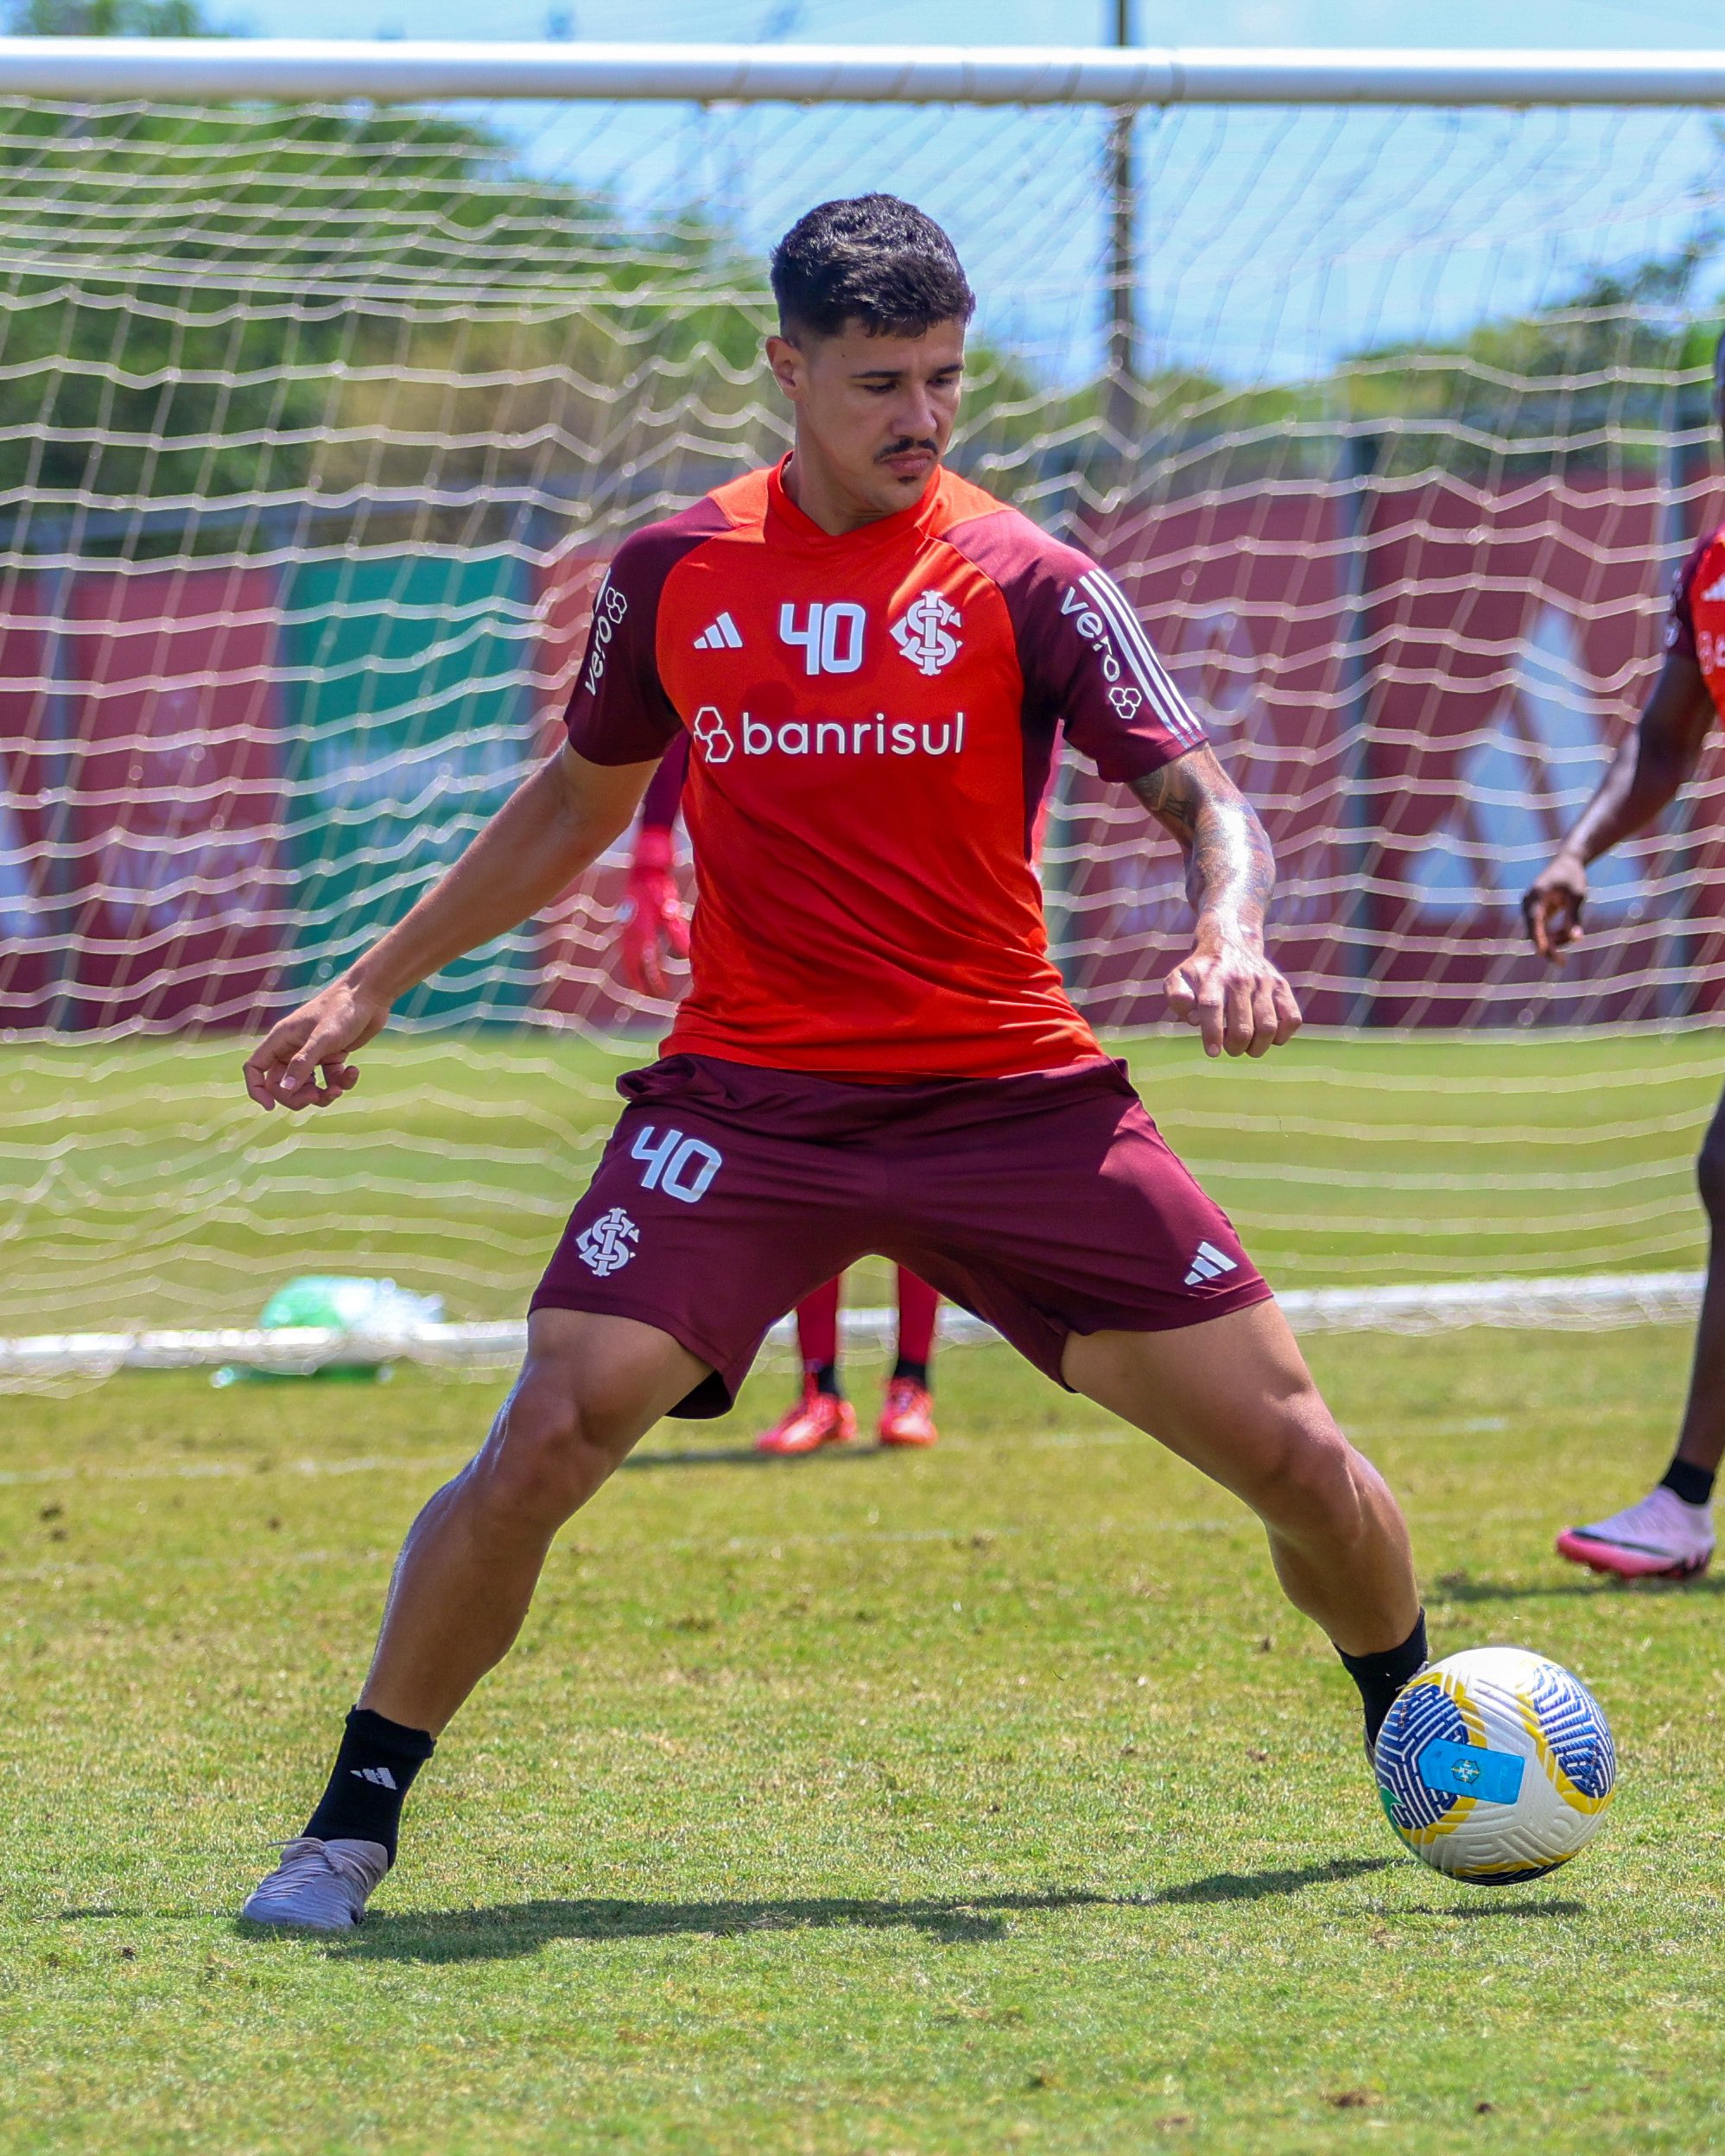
(825, 1377)
(1692, 1484)
(917, 1372)
(1380, 1676)
(374, 1770)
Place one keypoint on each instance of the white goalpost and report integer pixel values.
(332, 374)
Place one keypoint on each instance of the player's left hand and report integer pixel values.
(1237, 1000)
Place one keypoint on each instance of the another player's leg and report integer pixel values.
(591, 1387)
(821, 1415)
(1233, 1397)
(907, 1415)
(1669, 1533)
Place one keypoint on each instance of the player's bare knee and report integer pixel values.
(539, 1463)
(1310, 1484)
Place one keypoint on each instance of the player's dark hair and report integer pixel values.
(873, 260)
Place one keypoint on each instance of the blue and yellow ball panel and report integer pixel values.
(1495, 1766)
(1423, 1714)
(1564, 1717)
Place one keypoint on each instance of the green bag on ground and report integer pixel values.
(337, 1303)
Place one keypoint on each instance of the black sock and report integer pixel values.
(1692, 1484)
(1380, 1676)
(374, 1770)
(917, 1372)
(825, 1377)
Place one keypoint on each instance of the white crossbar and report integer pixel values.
(1629, 1298)
(414, 69)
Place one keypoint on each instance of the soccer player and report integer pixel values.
(653, 927)
(821, 1415)
(895, 654)
(1668, 1534)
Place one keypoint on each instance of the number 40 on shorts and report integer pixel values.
(680, 1167)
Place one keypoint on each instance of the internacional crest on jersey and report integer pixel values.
(872, 720)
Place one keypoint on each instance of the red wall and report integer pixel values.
(1502, 644)
(168, 738)
(1411, 784)
(1512, 645)
(1245, 599)
(29, 928)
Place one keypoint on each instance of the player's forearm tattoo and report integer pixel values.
(1230, 868)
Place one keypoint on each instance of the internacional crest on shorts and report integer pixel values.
(608, 1244)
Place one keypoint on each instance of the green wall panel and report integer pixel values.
(409, 720)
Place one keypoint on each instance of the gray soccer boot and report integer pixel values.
(319, 1886)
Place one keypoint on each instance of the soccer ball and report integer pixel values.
(1495, 1766)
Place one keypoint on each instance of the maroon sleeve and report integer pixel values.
(619, 713)
(664, 790)
(1086, 660)
(1680, 619)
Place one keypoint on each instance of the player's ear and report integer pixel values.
(785, 357)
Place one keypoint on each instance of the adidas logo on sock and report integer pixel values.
(1209, 1264)
(380, 1775)
(722, 635)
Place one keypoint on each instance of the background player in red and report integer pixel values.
(873, 661)
(1669, 1533)
(655, 927)
(822, 1416)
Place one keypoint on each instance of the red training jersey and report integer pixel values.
(871, 720)
(1695, 626)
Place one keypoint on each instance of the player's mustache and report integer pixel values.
(907, 442)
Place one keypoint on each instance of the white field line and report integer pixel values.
(1580, 1304)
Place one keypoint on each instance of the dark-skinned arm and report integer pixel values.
(1227, 988)
(1645, 777)
(555, 823)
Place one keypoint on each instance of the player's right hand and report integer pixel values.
(302, 1062)
(653, 926)
(1551, 907)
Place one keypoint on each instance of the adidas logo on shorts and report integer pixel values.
(1209, 1264)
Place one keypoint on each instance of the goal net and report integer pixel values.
(318, 425)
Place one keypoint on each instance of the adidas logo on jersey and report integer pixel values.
(722, 635)
(1209, 1264)
(1715, 590)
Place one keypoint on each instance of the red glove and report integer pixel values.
(653, 924)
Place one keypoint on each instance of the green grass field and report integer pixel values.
(139, 1185)
(987, 1800)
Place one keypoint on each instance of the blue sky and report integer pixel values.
(1271, 242)
(1532, 23)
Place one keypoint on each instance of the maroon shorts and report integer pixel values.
(1046, 1204)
